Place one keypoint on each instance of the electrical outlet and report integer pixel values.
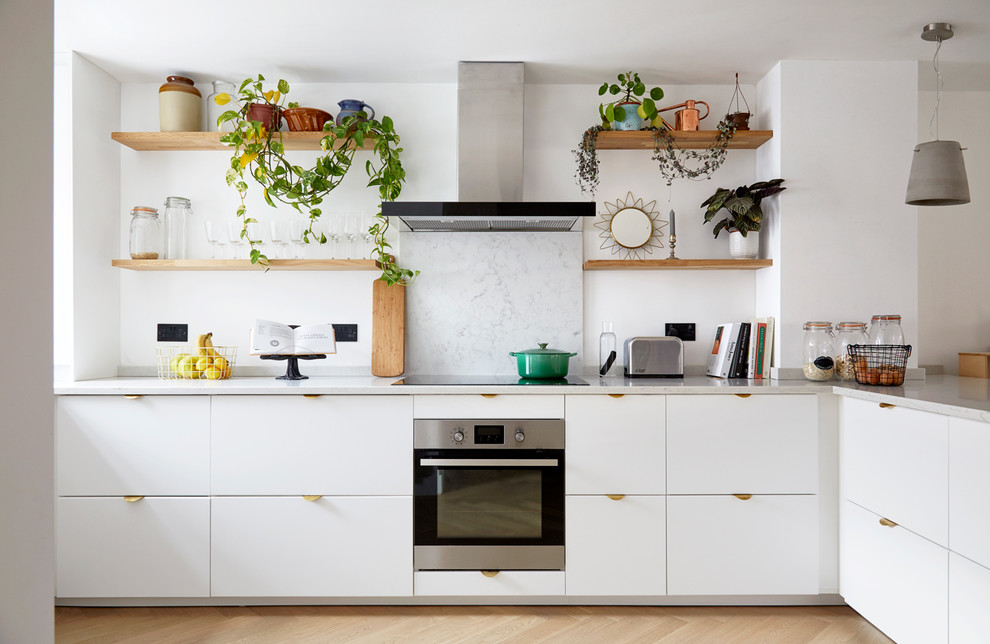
(345, 332)
(173, 332)
(682, 330)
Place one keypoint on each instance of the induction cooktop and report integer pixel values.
(487, 381)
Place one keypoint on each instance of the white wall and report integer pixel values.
(953, 291)
(848, 243)
(27, 553)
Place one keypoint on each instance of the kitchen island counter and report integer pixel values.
(952, 395)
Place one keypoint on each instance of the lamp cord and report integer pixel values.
(938, 92)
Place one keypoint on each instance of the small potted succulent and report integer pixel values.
(745, 217)
(628, 111)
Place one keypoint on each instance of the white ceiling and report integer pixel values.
(561, 41)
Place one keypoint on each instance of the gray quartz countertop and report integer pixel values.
(952, 395)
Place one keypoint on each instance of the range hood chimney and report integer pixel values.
(490, 137)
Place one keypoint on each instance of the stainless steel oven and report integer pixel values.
(489, 494)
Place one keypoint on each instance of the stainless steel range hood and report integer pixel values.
(490, 110)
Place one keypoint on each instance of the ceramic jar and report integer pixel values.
(179, 105)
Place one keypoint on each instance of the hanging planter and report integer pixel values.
(738, 118)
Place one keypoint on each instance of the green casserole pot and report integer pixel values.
(542, 363)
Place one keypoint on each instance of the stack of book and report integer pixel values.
(742, 349)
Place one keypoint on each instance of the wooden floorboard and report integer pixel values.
(465, 625)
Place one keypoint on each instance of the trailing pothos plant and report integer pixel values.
(260, 155)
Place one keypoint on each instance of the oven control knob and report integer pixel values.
(458, 436)
(520, 437)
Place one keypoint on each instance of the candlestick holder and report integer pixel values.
(673, 243)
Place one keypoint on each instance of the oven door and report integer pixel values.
(489, 509)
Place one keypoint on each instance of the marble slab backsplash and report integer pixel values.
(481, 295)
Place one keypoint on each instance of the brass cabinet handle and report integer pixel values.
(886, 406)
(133, 499)
(615, 395)
(743, 497)
(489, 573)
(311, 395)
(132, 396)
(312, 497)
(742, 395)
(888, 523)
(488, 395)
(616, 497)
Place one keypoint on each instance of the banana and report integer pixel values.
(210, 351)
(201, 343)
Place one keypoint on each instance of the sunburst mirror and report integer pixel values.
(631, 227)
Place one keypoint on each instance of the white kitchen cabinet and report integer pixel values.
(474, 583)
(494, 405)
(332, 546)
(293, 445)
(969, 490)
(728, 444)
(616, 546)
(894, 462)
(722, 545)
(893, 577)
(615, 445)
(153, 547)
(969, 600)
(148, 445)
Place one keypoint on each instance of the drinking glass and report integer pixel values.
(216, 234)
(280, 236)
(350, 232)
(237, 243)
(296, 228)
(255, 234)
(334, 231)
(367, 221)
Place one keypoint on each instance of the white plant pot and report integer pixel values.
(747, 247)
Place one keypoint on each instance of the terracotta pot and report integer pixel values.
(305, 119)
(740, 120)
(266, 114)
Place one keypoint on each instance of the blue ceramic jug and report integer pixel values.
(350, 107)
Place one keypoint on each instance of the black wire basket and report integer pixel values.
(879, 364)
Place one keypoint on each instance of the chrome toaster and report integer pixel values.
(653, 357)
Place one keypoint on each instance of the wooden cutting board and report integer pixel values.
(388, 329)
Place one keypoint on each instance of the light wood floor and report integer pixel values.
(465, 624)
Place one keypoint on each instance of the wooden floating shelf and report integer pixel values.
(676, 264)
(697, 140)
(173, 141)
(246, 265)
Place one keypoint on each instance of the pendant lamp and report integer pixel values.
(938, 172)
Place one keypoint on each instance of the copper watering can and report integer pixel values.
(688, 118)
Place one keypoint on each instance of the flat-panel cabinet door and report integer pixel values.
(115, 446)
(616, 546)
(722, 545)
(969, 599)
(727, 444)
(893, 577)
(615, 445)
(153, 547)
(969, 489)
(894, 462)
(325, 547)
(293, 445)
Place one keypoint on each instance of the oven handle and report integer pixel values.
(489, 462)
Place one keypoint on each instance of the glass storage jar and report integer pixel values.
(819, 351)
(213, 111)
(178, 212)
(848, 333)
(606, 349)
(886, 329)
(145, 239)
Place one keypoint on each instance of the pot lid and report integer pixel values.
(543, 351)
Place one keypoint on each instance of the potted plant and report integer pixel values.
(627, 113)
(259, 155)
(744, 218)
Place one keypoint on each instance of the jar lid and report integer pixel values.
(817, 325)
(144, 210)
(850, 325)
(177, 201)
(891, 318)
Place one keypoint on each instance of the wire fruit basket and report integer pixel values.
(180, 362)
(879, 364)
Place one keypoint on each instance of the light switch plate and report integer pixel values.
(683, 330)
(173, 332)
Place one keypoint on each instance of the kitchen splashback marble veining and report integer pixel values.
(481, 295)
